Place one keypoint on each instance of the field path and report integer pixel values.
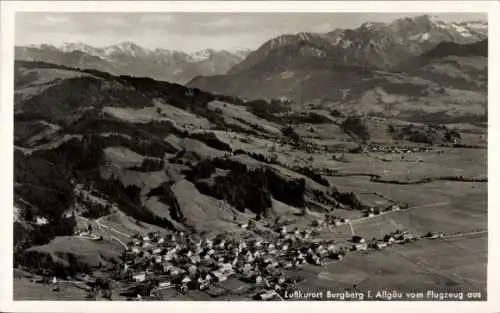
(105, 229)
(121, 242)
(466, 234)
(98, 222)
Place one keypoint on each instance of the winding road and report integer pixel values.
(105, 229)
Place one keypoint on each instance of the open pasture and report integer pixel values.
(437, 206)
(470, 163)
(417, 266)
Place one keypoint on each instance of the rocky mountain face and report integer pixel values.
(373, 45)
(359, 66)
(130, 59)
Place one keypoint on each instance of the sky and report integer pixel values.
(190, 31)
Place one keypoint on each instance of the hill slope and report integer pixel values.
(136, 144)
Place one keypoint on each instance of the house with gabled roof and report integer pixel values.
(139, 277)
(360, 246)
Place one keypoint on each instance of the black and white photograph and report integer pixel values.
(248, 155)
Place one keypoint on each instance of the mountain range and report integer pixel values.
(379, 45)
(341, 66)
(127, 58)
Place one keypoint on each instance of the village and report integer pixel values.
(263, 268)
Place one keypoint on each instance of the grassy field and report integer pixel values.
(452, 162)
(455, 264)
(24, 290)
(87, 251)
(418, 266)
(439, 206)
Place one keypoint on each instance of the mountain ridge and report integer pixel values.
(127, 58)
(348, 67)
(438, 79)
(381, 45)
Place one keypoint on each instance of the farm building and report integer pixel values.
(380, 245)
(434, 235)
(157, 251)
(360, 247)
(395, 208)
(358, 239)
(389, 239)
(165, 284)
(268, 295)
(139, 277)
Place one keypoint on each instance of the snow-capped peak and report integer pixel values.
(287, 39)
(77, 46)
(372, 25)
(420, 37)
(461, 30)
(304, 36)
(201, 55)
(475, 25)
(164, 51)
(42, 46)
(126, 47)
(242, 53)
(436, 28)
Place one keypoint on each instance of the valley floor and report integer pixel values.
(457, 262)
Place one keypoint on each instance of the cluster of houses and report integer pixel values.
(434, 235)
(376, 211)
(332, 220)
(389, 149)
(87, 233)
(394, 149)
(182, 262)
(397, 237)
(335, 221)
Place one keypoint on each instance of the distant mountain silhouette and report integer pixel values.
(130, 59)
